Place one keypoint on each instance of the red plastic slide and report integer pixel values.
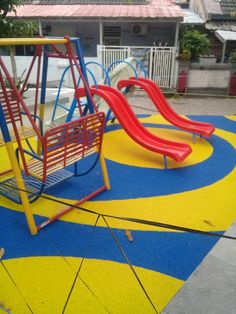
(159, 100)
(128, 120)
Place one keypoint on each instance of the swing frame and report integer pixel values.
(81, 137)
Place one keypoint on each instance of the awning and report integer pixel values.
(225, 36)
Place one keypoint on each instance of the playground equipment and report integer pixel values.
(159, 100)
(128, 120)
(69, 110)
(119, 69)
(35, 172)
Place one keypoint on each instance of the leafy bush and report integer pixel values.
(195, 42)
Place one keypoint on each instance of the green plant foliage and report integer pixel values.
(185, 55)
(232, 56)
(17, 28)
(195, 42)
(12, 27)
(7, 6)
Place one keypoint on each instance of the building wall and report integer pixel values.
(198, 7)
(160, 33)
(88, 32)
(208, 78)
(56, 68)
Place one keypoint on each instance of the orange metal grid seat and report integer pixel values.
(8, 99)
(66, 144)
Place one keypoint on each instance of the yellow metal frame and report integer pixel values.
(104, 171)
(21, 187)
(31, 41)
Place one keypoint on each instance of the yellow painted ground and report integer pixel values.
(118, 142)
(45, 283)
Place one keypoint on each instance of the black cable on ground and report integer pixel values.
(136, 220)
(15, 285)
(130, 265)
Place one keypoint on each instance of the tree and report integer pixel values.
(7, 6)
(11, 27)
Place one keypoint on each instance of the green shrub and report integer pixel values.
(195, 42)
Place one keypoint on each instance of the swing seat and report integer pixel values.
(62, 146)
(23, 131)
(66, 144)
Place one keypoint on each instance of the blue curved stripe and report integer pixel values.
(173, 254)
(128, 182)
(220, 122)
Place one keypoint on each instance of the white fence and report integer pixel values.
(159, 62)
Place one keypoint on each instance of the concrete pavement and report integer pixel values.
(211, 289)
(190, 105)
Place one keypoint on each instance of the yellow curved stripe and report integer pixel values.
(209, 208)
(233, 118)
(157, 118)
(154, 118)
(228, 136)
(45, 283)
(119, 147)
(200, 209)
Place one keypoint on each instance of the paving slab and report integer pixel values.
(211, 289)
(187, 105)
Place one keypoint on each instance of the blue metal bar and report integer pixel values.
(107, 78)
(165, 162)
(122, 61)
(44, 75)
(83, 69)
(71, 110)
(58, 93)
(4, 127)
(142, 67)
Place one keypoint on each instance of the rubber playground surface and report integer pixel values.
(88, 262)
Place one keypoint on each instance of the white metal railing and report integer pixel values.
(160, 62)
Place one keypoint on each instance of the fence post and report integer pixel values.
(151, 63)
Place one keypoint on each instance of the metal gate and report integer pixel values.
(159, 62)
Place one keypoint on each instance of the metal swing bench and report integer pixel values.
(62, 146)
